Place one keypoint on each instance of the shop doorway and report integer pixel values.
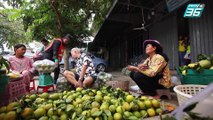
(183, 38)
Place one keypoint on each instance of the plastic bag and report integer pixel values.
(44, 66)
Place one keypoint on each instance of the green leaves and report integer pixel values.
(32, 20)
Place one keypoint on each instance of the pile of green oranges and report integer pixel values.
(82, 104)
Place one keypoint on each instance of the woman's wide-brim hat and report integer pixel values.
(155, 43)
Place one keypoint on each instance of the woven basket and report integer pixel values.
(184, 92)
(124, 85)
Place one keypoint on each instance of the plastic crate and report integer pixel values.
(124, 85)
(204, 77)
(184, 92)
(16, 89)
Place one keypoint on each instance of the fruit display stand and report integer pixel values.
(87, 104)
(203, 77)
(13, 90)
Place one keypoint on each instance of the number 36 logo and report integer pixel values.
(194, 10)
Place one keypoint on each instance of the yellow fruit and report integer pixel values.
(97, 118)
(74, 103)
(27, 112)
(3, 109)
(159, 111)
(143, 113)
(90, 118)
(33, 96)
(86, 113)
(78, 89)
(110, 117)
(155, 103)
(112, 108)
(64, 117)
(44, 95)
(107, 98)
(79, 100)
(54, 96)
(137, 114)
(2, 116)
(184, 72)
(148, 103)
(134, 106)
(95, 104)
(117, 116)
(83, 92)
(98, 98)
(61, 112)
(126, 106)
(51, 112)
(99, 93)
(104, 107)
(141, 105)
(129, 98)
(91, 93)
(43, 118)
(48, 106)
(39, 100)
(127, 114)
(10, 115)
(93, 110)
(119, 109)
(10, 107)
(144, 98)
(79, 110)
(151, 112)
(54, 117)
(39, 112)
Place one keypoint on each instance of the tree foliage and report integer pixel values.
(58, 17)
(11, 31)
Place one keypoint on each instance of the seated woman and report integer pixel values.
(85, 72)
(22, 64)
(154, 72)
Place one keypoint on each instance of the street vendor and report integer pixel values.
(85, 72)
(22, 64)
(154, 72)
(55, 51)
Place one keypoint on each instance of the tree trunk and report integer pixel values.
(58, 15)
(60, 25)
(66, 59)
